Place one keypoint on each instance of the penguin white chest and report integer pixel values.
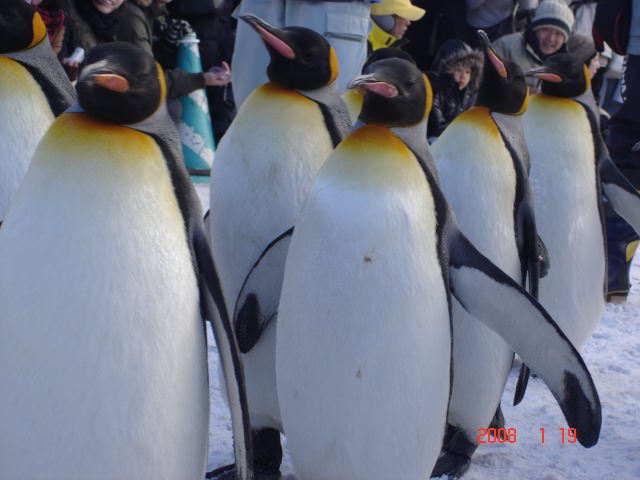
(363, 337)
(103, 353)
(262, 172)
(563, 178)
(478, 178)
(25, 116)
(263, 169)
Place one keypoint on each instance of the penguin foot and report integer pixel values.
(617, 297)
(267, 457)
(219, 473)
(498, 419)
(228, 472)
(456, 453)
(451, 465)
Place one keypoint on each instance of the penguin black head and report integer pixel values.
(21, 27)
(300, 58)
(387, 52)
(396, 93)
(563, 75)
(503, 88)
(121, 83)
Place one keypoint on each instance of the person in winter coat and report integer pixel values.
(495, 17)
(445, 19)
(215, 29)
(136, 27)
(547, 34)
(94, 22)
(57, 24)
(391, 19)
(623, 142)
(344, 23)
(464, 64)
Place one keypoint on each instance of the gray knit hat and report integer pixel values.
(554, 14)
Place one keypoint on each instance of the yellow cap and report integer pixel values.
(401, 8)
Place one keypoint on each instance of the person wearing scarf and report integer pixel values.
(96, 21)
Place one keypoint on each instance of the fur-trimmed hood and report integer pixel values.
(453, 53)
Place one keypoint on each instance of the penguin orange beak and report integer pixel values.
(111, 81)
(270, 35)
(545, 74)
(491, 54)
(372, 84)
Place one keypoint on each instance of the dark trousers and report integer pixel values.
(624, 133)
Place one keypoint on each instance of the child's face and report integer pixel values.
(462, 76)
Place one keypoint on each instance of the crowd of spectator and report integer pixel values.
(440, 36)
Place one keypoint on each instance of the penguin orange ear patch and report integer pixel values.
(549, 77)
(381, 88)
(39, 30)
(112, 82)
(333, 62)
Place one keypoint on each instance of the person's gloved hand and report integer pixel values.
(175, 29)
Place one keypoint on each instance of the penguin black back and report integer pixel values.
(563, 75)
(396, 93)
(503, 88)
(21, 26)
(300, 58)
(121, 83)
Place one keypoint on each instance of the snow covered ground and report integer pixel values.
(613, 357)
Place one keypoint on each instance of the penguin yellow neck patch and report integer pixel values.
(373, 157)
(480, 117)
(378, 139)
(92, 135)
(271, 89)
(39, 30)
(541, 100)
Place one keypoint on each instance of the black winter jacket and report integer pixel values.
(449, 101)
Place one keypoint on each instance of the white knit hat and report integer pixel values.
(553, 14)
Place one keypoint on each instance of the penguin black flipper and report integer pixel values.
(212, 306)
(620, 193)
(521, 386)
(257, 303)
(45, 68)
(211, 291)
(624, 199)
(527, 239)
(571, 384)
(512, 133)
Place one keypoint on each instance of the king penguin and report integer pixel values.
(363, 351)
(570, 173)
(264, 164)
(483, 165)
(33, 90)
(105, 279)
